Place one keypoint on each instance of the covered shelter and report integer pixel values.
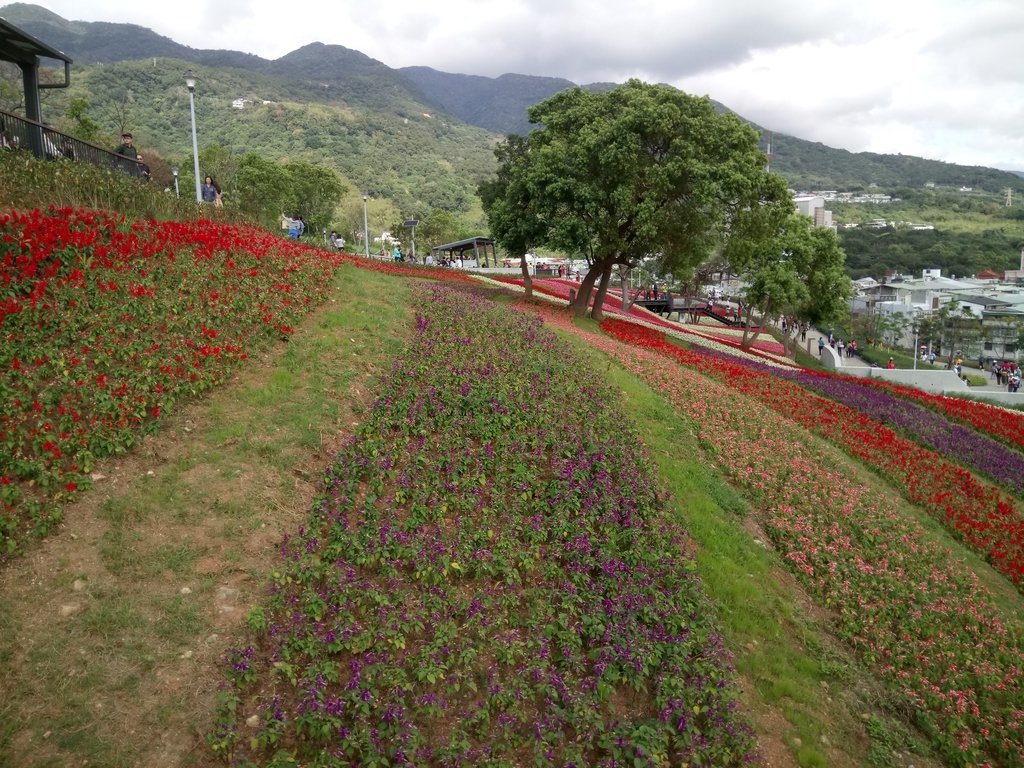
(19, 47)
(482, 249)
(24, 50)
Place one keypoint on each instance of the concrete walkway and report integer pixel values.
(938, 380)
(830, 357)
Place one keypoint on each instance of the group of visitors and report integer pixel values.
(399, 256)
(127, 149)
(564, 271)
(842, 348)
(1006, 373)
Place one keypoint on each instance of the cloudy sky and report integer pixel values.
(942, 79)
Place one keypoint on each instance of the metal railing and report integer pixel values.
(20, 133)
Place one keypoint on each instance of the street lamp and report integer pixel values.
(411, 223)
(916, 350)
(366, 228)
(190, 83)
(174, 173)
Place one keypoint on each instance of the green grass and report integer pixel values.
(224, 470)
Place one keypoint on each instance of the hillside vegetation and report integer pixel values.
(973, 231)
(342, 511)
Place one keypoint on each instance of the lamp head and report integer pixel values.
(174, 172)
(190, 81)
(365, 198)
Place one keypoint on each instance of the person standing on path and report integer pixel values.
(127, 149)
(821, 345)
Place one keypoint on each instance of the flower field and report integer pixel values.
(917, 616)
(490, 577)
(986, 517)
(107, 323)
(490, 573)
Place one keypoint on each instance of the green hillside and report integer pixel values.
(972, 232)
(393, 150)
(306, 508)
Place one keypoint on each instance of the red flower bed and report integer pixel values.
(106, 323)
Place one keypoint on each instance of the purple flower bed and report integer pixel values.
(489, 576)
(957, 441)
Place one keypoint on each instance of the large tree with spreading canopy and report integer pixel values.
(621, 176)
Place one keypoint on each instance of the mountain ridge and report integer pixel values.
(496, 104)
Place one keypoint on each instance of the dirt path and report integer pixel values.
(112, 630)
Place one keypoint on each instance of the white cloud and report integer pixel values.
(935, 78)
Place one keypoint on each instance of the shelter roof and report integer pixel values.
(19, 47)
(985, 301)
(934, 284)
(464, 245)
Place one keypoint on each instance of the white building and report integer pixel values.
(999, 306)
(814, 207)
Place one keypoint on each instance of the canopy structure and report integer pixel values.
(19, 47)
(480, 247)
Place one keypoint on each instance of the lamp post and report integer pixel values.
(174, 173)
(366, 228)
(411, 223)
(916, 350)
(190, 83)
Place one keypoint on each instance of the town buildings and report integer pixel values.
(997, 300)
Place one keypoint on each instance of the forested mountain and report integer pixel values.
(497, 104)
(813, 166)
(424, 139)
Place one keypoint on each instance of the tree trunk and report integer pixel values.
(627, 299)
(579, 306)
(602, 290)
(527, 280)
(748, 340)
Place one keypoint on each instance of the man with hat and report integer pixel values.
(127, 149)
